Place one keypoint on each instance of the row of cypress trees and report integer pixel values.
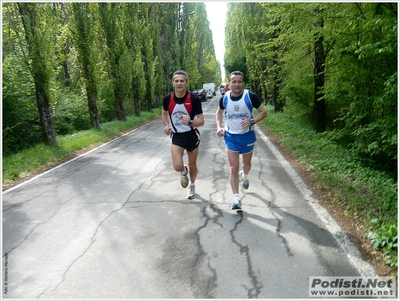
(70, 66)
(335, 61)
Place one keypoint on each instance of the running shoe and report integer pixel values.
(191, 193)
(244, 180)
(184, 177)
(236, 204)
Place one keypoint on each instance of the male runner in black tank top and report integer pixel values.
(182, 114)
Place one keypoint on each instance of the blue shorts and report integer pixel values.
(242, 143)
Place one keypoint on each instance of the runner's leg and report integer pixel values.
(192, 158)
(247, 162)
(233, 158)
(177, 157)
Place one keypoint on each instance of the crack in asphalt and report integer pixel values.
(38, 225)
(278, 233)
(257, 286)
(58, 208)
(278, 220)
(70, 171)
(210, 286)
(254, 291)
(93, 238)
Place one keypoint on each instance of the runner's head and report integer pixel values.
(236, 83)
(180, 72)
(180, 81)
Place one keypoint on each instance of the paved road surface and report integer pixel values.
(115, 223)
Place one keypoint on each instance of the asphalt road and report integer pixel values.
(115, 223)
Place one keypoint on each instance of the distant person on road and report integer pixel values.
(236, 108)
(182, 115)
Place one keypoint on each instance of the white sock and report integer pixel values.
(185, 171)
(236, 195)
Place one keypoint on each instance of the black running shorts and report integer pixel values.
(188, 140)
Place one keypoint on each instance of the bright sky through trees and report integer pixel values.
(216, 12)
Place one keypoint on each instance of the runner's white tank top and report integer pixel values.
(176, 111)
(235, 110)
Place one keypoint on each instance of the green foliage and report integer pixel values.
(83, 28)
(384, 238)
(235, 53)
(94, 61)
(38, 55)
(274, 44)
(139, 78)
(125, 71)
(369, 97)
(197, 39)
(70, 112)
(105, 100)
(21, 126)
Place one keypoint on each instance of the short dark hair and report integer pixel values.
(180, 72)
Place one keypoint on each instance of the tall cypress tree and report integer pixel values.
(83, 34)
(40, 56)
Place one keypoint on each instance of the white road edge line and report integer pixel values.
(73, 159)
(352, 252)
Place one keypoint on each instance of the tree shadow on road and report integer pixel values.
(302, 226)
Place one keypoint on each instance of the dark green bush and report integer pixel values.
(70, 112)
(21, 125)
(384, 238)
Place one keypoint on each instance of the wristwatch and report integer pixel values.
(252, 121)
(190, 122)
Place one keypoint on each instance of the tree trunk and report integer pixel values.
(40, 74)
(67, 77)
(319, 109)
(93, 110)
(149, 94)
(82, 42)
(119, 105)
(91, 93)
(46, 119)
(136, 98)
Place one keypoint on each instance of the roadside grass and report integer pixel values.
(41, 156)
(358, 188)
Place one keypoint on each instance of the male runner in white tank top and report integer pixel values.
(236, 108)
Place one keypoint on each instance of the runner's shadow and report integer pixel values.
(301, 226)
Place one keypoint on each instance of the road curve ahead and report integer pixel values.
(115, 223)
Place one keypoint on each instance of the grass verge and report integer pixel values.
(40, 156)
(354, 186)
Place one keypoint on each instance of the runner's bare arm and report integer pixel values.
(218, 121)
(165, 119)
